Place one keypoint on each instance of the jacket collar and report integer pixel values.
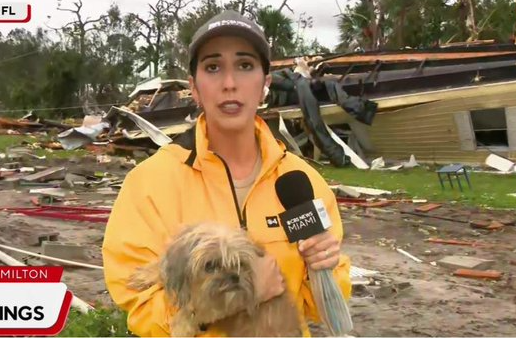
(272, 150)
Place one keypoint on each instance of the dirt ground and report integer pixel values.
(434, 303)
(406, 298)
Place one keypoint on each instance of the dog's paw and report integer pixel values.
(183, 324)
(144, 277)
(183, 328)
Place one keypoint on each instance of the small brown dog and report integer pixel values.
(207, 275)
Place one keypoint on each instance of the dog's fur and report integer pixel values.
(207, 274)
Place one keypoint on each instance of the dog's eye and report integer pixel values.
(210, 266)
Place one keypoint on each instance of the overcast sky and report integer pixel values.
(322, 11)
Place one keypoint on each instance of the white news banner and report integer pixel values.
(30, 305)
(15, 11)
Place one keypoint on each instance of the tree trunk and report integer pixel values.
(401, 28)
(470, 20)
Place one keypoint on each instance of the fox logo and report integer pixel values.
(272, 221)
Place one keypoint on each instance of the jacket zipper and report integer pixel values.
(241, 220)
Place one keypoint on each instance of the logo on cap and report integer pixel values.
(229, 23)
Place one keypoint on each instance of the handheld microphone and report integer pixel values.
(304, 217)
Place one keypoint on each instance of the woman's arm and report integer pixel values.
(331, 240)
(134, 237)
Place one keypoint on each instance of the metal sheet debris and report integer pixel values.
(369, 191)
(79, 137)
(500, 163)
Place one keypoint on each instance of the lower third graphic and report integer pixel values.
(33, 301)
(15, 12)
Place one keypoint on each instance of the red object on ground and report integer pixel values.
(469, 273)
(362, 202)
(65, 213)
(495, 225)
(350, 200)
(451, 241)
(35, 201)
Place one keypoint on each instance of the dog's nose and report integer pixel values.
(234, 278)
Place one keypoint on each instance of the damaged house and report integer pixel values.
(443, 105)
(454, 104)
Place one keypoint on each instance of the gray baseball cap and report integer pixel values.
(232, 23)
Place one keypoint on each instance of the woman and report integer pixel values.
(223, 170)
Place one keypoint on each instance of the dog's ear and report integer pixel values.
(174, 273)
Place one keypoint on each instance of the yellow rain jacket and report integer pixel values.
(185, 183)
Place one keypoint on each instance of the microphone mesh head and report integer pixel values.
(294, 188)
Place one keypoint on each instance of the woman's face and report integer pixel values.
(229, 83)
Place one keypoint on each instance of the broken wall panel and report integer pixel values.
(465, 130)
(430, 132)
(510, 115)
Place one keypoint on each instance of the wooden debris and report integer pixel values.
(428, 207)
(495, 225)
(508, 221)
(469, 273)
(479, 224)
(472, 244)
(465, 262)
(5, 174)
(457, 220)
(48, 174)
(350, 200)
(378, 204)
(451, 242)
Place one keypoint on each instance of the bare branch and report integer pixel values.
(143, 22)
(178, 6)
(67, 10)
(95, 20)
(338, 5)
(153, 10)
(284, 4)
(78, 4)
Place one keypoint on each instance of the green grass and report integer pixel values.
(488, 190)
(9, 141)
(101, 322)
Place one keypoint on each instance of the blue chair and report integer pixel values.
(456, 170)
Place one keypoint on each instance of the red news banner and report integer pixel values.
(33, 301)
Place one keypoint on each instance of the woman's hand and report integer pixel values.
(268, 277)
(321, 251)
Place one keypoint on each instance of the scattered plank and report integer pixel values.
(479, 224)
(470, 273)
(495, 225)
(458, 220)
(465, 262)
(451, 242)
(428, 207)
(48, 174)
(472, 244)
